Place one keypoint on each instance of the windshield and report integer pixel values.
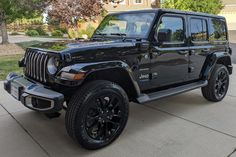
(126, 25)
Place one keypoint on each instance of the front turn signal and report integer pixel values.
(70, 76)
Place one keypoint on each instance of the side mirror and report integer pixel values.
(164, 35)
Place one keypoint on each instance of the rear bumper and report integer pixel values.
(32, 95)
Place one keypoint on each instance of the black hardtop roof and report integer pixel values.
(174, 11)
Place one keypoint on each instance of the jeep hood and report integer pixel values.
(70, 46)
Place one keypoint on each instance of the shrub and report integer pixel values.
(62, 29)
(73, 33)
(15, 33)
(41, 31)
(29, 28)
(37, 22)
(32, 33)
(89, 31)
(57, 33)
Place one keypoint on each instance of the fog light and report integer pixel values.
(39, 104)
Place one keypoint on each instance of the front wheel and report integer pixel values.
(218, 84)
(97, 114)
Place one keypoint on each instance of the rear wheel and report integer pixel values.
(218, 84)
(97, 114)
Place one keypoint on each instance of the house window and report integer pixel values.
(138, 1)
(123, 2)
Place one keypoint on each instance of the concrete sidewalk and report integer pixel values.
(180, 126)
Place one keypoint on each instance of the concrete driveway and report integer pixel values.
(232, 38)
(185, 125)
(233, 46)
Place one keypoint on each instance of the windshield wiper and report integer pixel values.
(123, 35)
(102, 34)
(119, 34)
(98, 32)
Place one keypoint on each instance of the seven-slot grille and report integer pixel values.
(36, 65)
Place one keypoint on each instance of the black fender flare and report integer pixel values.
(90, 68)
(212, 60)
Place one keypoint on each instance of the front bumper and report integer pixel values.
(32, 95)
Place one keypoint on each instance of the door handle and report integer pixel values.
(192, 52)
(205, 50)
(183, 52)
(156, 53)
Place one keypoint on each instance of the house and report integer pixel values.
(229, 12)
(127, 5)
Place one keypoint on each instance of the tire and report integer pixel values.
(97, 114)
(218, 84)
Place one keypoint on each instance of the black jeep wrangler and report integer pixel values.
(137, 56)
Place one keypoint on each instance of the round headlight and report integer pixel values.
(52, 65)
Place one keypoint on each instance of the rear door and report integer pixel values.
(200, 46)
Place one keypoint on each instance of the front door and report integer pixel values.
(170, 59)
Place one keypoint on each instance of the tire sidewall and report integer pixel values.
(81, 134)
(213, 81)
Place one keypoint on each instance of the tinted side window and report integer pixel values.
(217, 30)
(198, 29)
(175, 25)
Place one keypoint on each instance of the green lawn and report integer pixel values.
(9, 64)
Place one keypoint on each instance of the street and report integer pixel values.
(23, 38)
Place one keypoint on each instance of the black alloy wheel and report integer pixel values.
(97, 114)
(218, 84)
(104, 118)
(221, 85)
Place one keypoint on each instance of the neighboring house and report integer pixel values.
(229, 12)
(126, 5)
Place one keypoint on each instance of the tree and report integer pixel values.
(70, 11)
(11, 10)
(156, 4)
(206, 6)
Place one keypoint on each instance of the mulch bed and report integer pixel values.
(10, 49)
